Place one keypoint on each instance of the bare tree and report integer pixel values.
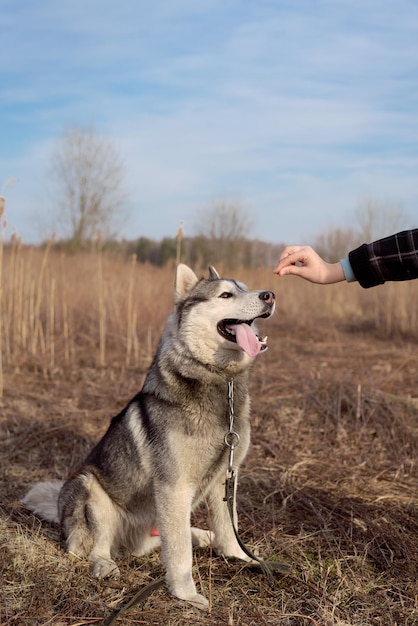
(372, 219)
(376, 219)
(334, 243)
(224, 220)
(225, 225)
(87, 179)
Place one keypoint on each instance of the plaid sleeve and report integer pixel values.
(390, 258)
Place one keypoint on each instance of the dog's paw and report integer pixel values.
(233, 552)
(202, 538)
(102, 567)
(196, 600)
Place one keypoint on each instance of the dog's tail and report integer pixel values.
(42, 500)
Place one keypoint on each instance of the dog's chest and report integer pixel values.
(200, 459)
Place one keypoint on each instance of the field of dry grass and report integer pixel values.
(330, 483)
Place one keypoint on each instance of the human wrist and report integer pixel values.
(334, 273)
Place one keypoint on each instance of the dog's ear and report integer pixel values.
(213, 274)
(186, 279)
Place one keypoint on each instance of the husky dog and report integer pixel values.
(166, 450)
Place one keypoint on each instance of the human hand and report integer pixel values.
(303, 261)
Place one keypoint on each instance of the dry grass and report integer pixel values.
(330, 484)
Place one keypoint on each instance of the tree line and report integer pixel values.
(199, 251)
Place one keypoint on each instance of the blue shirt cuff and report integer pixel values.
(348, 271)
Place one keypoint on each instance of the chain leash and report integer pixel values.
(232, 440)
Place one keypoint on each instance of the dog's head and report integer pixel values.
(217, 316)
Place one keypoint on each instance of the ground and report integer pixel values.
(329, 487)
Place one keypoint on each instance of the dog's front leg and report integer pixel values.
(174, 504)
(225, 540)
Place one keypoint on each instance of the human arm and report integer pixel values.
(303, 261)
(392, 258)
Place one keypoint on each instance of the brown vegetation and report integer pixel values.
(330, 483)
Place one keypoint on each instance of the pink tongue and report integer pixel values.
(246, 339)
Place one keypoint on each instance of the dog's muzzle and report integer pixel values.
(240, 331)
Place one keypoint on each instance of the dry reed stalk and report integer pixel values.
(42, 344)
(64, 304)
(66, 332)
(30, 311)
(17, 287)
(130, 311)
(6, 323)
(26, 290)
(388, 312)
(13, 318)
(179, 239)
(102, 306)
(66, 326)
(414, 320)
(51, 324)
(10, 313)
(135, 338)
(37, 331)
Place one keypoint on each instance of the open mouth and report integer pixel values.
(241, 333)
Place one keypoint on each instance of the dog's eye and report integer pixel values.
(226, 294)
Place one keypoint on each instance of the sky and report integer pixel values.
(296, 110)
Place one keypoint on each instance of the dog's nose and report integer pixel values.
(267, 296)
